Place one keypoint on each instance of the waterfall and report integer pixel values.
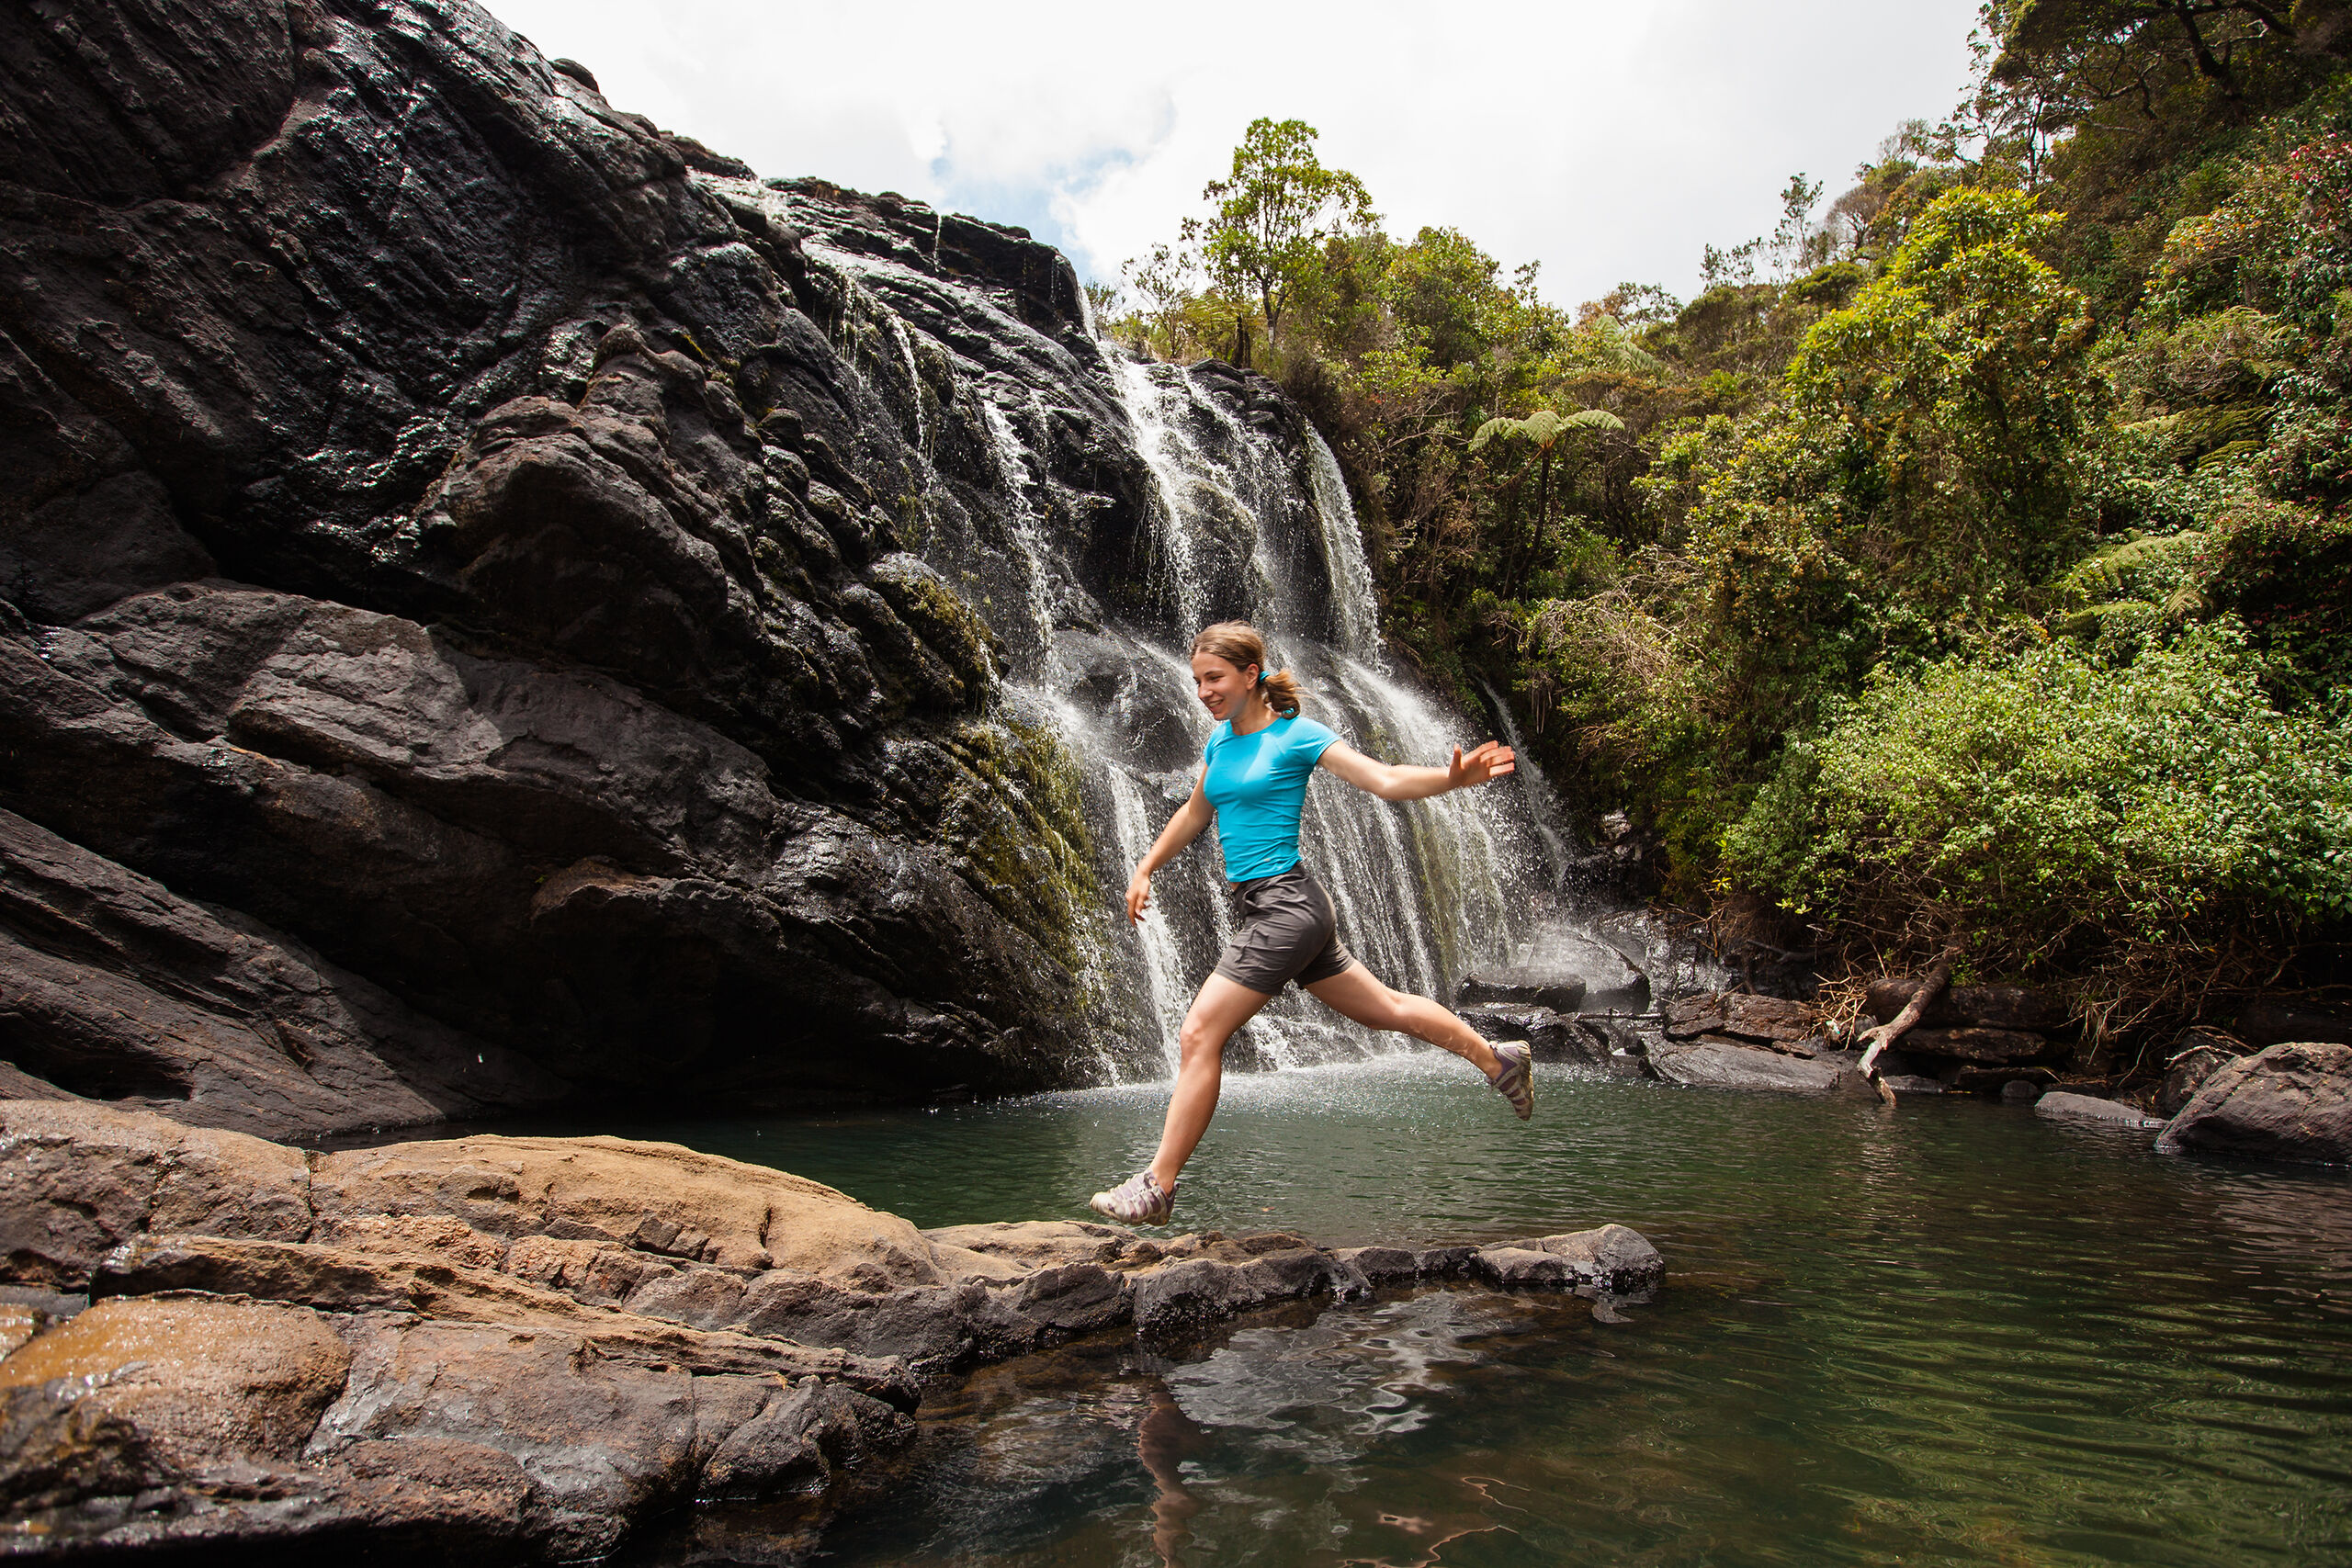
(1247, 527)
(1544, 805)
(1240, 513)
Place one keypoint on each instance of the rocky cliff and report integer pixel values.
(466, 634)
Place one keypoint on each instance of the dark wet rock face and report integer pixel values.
(2288, 1102)
(455, 572)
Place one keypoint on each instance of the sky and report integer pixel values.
(1608, 141)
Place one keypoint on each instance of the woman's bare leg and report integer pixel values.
(1221, 1006)
(1355, 993)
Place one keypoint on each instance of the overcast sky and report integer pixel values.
(1608, 141)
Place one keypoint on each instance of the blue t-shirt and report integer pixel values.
(1258, 783)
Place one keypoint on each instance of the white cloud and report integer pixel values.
(1609, 141)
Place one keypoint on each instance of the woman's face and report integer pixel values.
(1222, 686)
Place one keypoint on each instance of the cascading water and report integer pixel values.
(1245, 516)
(1425, 890)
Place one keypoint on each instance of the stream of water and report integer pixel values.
(1957, 1333)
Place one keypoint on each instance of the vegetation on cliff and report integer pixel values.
(1967, 563)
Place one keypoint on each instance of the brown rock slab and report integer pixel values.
(80, 1178)
(1736, 1016)
(200, 1379)
(1974, 1044)
(514, 1347)
(1719, 1065)
(1973, 1007)
(656, 1198)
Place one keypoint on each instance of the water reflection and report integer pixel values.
(1162, 1442)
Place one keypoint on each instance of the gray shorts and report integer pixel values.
(1288, 931)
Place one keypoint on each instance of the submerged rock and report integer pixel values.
(2291, 1101)
(2063, 1107)
(499, 1348)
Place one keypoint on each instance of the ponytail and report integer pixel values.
(1238, 644)
(1281, 691)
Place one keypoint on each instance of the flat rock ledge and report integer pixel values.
(511, 1350)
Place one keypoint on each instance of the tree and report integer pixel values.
(1274, 215)
(1543, 429)
(1926, 464)
(2088, 53)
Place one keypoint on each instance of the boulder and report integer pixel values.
(1543, 1030)
(2291, 1101)
(1564, 969)
(2197, 1054)
(2276, 1023)
(1723, 1065)
(2061, 1107)
(1732, 1015)
(1970, 1007)
(1523, 986)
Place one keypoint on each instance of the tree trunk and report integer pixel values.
(1542, 513)
(2209, 68)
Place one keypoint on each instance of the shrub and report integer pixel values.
(2153, 828)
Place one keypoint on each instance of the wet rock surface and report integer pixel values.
(1727, 1064)
(492, 1348)
(2291, 1101)
(1563, 969)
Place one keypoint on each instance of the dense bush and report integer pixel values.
(2155, 827)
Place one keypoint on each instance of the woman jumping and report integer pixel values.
(1254, 785)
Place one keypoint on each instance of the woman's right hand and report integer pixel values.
(1138, 895)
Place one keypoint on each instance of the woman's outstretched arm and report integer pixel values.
(1191, 819)
(1394, 781)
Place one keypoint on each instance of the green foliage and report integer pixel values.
(2288, 572)
(1544, 427)
(1925, 465)
(2144, 824)
(1275, 214)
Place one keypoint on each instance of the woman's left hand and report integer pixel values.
(1483, 764)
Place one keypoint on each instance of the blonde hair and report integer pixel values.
(1238, 644)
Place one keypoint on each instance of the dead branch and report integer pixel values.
(1930, 987)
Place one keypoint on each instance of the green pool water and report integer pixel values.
(1950, 1333)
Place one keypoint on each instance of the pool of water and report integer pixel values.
(1954, 1332)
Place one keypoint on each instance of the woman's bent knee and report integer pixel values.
(1197, 1041)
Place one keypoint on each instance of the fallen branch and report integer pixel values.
(1930, 987)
